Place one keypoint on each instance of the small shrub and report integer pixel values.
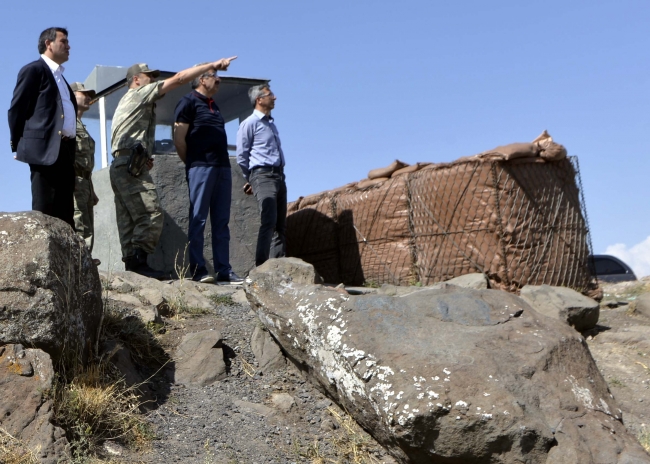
(223, 300)
(615, 382)
(371, 284)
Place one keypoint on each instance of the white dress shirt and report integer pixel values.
(69, 116)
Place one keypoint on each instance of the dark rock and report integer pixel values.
(266, 350)
(50, 293)
(563, 303)
(25, 412)
(199, 359)
(448, 374)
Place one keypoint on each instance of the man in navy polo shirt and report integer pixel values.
(201, 142)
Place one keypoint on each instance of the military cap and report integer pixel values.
(141, 68)
(79, 87)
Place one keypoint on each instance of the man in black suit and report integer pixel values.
(42, 123)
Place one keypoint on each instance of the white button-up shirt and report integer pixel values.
(69, 116)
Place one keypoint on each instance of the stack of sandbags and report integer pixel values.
(543, 147)
(513, 213)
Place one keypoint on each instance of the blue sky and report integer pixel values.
(361, 83)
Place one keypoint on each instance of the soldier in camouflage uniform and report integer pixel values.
(138, 212)
(84, 163)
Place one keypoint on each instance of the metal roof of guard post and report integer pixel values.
(110, 84)
(169, 175)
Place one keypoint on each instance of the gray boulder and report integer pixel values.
(266, 350)
(199, 359)
(50, 293)
(563, 303)
(476, 281)
(25, 411)
(447, 374)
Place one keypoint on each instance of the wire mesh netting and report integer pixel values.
(518, 222)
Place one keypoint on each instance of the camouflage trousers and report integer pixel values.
(137, 209)
(83, 210)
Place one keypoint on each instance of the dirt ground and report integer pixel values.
(237, 421)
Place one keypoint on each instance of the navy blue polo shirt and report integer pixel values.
(207, 143)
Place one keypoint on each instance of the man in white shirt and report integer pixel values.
(42, 123)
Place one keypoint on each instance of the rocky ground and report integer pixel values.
(249, 417)
(620, 344)
(278, 417)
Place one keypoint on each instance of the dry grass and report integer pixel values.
(96, 405)
(352, 444)
(644, 438)
(14, 451)
(247, 367)
(93, 403)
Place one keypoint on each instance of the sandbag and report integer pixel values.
(549, 150)
(311, 200)
(514, 151)
(370, 182)
(412, 168)
(387, 171)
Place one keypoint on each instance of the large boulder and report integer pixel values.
(447, 374)
(50, 293)
(25, 411)
(564, 304)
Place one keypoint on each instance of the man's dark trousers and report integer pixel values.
(53, 185)
(270, 191)
(210, 190)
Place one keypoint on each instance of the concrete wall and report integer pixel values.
(169, 176)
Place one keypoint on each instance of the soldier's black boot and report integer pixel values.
(138, 263)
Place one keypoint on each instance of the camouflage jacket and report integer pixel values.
(84, 157)
(135, 118)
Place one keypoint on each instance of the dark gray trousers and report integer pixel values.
(271, 194)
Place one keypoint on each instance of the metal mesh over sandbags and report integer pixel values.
(374, 234)
(519, 222)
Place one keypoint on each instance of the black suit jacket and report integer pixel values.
(36, 115)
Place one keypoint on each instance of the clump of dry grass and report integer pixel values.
(352, 444)
(14, 451)
(96, 405)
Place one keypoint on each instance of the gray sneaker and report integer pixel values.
(229, 279)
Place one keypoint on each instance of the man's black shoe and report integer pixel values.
(138, 264)
(229, 279)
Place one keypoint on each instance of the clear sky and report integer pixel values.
(361, 83)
